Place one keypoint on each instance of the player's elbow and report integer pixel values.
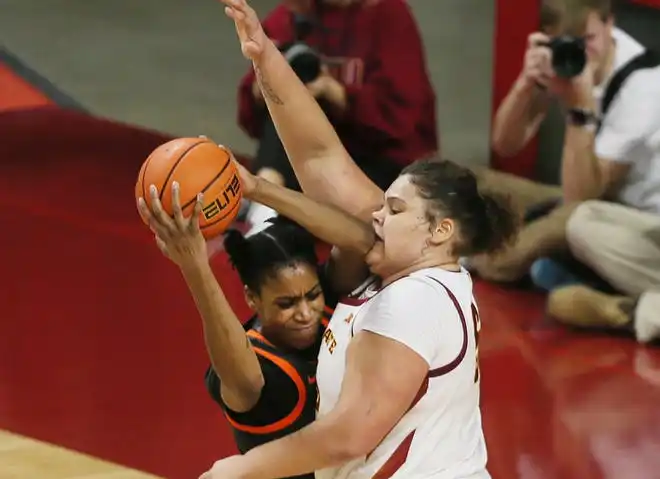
(349, 443)
(355, 436)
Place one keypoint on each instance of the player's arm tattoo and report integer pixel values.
(267, 90)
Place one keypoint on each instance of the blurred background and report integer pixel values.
(175, 67)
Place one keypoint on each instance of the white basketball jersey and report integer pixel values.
(433, 312)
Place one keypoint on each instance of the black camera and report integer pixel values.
(569, 55)
(304, 60)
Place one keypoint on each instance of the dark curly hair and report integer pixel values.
(258, 257)
(486, 222)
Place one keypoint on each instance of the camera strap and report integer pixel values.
(646, 59)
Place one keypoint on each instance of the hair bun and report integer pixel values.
(237, 248)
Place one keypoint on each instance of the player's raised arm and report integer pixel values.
(324, 168)
(233, 360)
(326, 222)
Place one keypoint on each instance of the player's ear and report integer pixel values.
(442, 232)
(251, 299)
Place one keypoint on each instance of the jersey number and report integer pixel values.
(477, 329)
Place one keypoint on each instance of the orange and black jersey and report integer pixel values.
(288, 398)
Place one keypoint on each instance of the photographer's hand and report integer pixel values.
(328, 88)
(537, 67)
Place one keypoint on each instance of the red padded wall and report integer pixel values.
(514, 21)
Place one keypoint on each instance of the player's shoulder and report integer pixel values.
(407, 293)
(429, 281)
(426, 291)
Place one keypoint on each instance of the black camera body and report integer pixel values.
(569, 55)
(304, 60)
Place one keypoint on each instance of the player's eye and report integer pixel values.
(285, 304)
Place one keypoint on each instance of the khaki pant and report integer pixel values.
(622, 245)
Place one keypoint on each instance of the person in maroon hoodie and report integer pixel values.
(363, 60)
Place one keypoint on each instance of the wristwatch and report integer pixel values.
(581, 117)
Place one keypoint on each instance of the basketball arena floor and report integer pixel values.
(101, 352)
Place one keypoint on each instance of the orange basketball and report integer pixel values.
(199, 165)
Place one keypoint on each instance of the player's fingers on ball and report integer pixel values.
(144, 209)
(157, 211)
(197, 211)
(176, 206)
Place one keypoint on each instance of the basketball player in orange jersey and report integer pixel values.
(262, 373)
(398, 372)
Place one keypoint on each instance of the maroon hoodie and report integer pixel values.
(375, 50)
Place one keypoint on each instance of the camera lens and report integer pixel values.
(568, 56)
(304, 61)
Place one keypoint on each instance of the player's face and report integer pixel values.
(402, 228)
(290, 305)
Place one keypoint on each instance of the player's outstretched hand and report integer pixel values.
(250, 33)
(178, 237)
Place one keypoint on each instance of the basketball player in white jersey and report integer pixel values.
(398, 371)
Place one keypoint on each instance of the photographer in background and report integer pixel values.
(609, 87)
(364, 62)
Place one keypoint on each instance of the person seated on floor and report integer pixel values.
(622, 245)
(262, 373)
(611, 145)
(364, 63)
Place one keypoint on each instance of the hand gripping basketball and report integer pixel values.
(178, 237)
(248, 180)
(250, 33)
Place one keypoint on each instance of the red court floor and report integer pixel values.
(101, 348)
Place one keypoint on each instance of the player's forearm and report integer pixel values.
(322, 165)
(320, 445)
(302, 126)
(230, 353)
(324, 221)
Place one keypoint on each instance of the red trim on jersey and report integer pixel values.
(396, 460)
(447, 368)
(423, 389)
(348, 301)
